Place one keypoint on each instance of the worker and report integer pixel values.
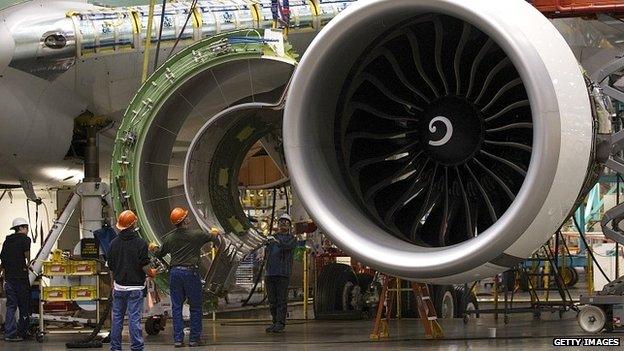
(184, 246)
(280, 9)
(128, 259)
(14, 259)
(279, 257)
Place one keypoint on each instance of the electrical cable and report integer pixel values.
(191, 10)
(30, 232)
(45, 207)
(37, 220)
(589, 251)
(162, 20)
(90, 341)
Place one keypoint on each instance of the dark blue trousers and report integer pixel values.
(18, 298)
(185, 284)
(277, 292)
(130, 302)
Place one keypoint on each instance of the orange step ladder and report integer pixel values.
(426, 310)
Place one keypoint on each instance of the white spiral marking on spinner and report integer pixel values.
(433, 129)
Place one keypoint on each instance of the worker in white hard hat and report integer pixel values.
(14, 259)
(279, 257)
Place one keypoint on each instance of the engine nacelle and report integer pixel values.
(439, 140)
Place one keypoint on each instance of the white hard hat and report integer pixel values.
(286, 216)
(18, 222)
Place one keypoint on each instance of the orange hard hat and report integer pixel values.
(178, 214)
(126, 220)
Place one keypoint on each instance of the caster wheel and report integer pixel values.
(561, 313)
(506, 320)
(466, 319)
(592, 319)
(39, 337)
(153, 325)
(537, 315)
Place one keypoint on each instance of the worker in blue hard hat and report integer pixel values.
(14, 259)
(279, 257)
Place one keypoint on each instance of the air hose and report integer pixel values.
(92, 341)
(589, 251)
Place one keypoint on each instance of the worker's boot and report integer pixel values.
(13, 338)
(178, 344)
(279, 328)
(270, 329)
(196, 343)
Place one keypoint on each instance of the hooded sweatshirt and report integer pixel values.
(127, 257)
(13, 256)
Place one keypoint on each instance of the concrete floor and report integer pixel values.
(522, 333)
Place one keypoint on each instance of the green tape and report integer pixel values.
(224, 177)
(238, 227)
(245, 133)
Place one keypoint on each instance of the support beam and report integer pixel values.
(53, 235)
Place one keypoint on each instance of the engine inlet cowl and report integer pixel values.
(438, 140)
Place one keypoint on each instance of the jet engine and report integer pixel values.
(441, 141)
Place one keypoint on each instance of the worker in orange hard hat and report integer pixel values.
(126, 220)
(185, 245)
(129, 262)
(178, 215)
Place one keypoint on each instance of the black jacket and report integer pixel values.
(127, 257)
(13, 258)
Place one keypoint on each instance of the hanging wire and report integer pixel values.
(45, 207)
(589, 251)
(32, 233)
(162, 20)
(191, 10)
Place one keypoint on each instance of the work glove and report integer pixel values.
(271, 239)
(152, 247)
(152, 272)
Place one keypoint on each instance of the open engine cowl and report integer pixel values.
(439, 140)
